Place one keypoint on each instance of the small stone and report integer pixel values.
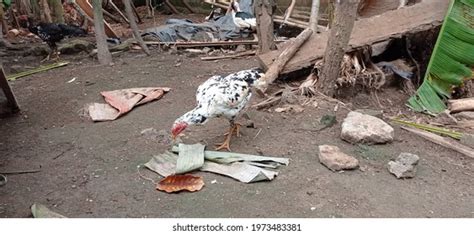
(335, 160)
(404, 165)
(73, 186)
(363, 128)
(240, 48)
(312, 208)
(206, 50)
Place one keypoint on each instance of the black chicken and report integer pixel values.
(52, 33)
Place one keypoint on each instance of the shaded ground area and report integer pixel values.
(90, 169)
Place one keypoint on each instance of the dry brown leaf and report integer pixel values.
(176, 183)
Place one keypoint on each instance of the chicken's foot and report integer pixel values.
(234, 128)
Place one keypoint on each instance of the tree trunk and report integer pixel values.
(134, 26)
(341, 29)
(57, 11)
(103, 53)
(264, 12)
(45, 14)
(313, 20)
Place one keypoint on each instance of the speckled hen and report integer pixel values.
(220, 97)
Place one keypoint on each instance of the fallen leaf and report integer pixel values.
(176, 183)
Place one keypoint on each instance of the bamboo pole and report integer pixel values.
(40, 69)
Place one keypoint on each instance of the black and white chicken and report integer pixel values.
(52, 33)
(220, 97)
(243, 20)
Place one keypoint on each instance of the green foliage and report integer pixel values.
(452, 60)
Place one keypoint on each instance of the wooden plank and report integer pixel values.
(245, 53)
(392, 24)
(7, 90)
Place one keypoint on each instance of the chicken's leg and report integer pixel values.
(54, 50)
(234, 128)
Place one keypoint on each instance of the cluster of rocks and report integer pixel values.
(364, 127)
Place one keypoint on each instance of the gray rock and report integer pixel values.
(335, 160)
(404, 166)
(363, 128)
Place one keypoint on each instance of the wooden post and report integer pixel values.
(341, 29)
(313, 19)
(134, 26)
(7, 90)
(103, 53)
(264, 12)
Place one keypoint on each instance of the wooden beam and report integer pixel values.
(392, 24)
(242, 54)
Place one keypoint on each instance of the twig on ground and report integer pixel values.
(17, 172)
(144, 177)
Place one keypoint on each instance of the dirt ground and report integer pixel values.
(90, 169)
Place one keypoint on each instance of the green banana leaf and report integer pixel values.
(452, 61)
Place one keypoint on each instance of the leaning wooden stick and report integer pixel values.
(134, 26)
(447, 143)
(279, 64)
(7, 90)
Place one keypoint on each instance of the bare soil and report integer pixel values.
(90, 169)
